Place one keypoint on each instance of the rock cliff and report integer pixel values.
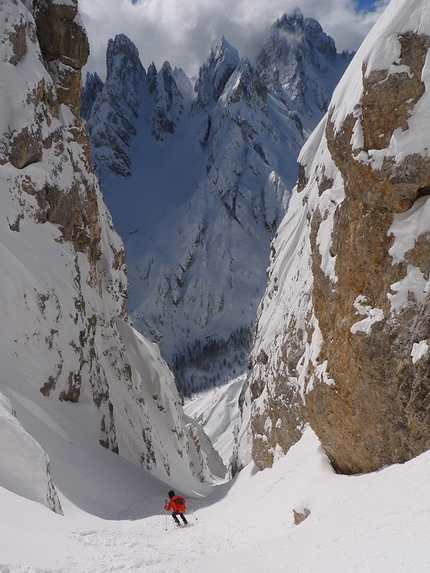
(343, 329)
(115, 126)
(65, 337)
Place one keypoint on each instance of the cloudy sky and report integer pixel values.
(183, 31)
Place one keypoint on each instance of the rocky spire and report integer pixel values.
(125, 74)
(214, 74)
(296, 60)
(93, 87)
(167, 101)
(118, 103)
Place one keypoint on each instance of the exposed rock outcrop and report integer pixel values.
(300, 516)
(64, 328)
(344, 320)
(65, 48)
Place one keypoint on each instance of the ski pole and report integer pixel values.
(165, 513)
(188, 511)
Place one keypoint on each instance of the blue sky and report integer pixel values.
(365, 4)
(183, 31)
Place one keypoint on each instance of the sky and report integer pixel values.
(183, 32)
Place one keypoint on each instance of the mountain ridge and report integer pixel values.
(235, 130)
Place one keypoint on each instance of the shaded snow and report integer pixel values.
(24, 466)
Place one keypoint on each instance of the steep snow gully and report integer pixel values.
(75, 375)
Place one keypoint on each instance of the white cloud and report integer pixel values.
(183, 32)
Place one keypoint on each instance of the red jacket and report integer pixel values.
(175, 506)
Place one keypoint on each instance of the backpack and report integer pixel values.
(180, 501)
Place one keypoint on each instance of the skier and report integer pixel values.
(177, 505)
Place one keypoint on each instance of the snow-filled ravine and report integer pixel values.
(370, 523)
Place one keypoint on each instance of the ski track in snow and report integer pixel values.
(373, 523)
(142, 545)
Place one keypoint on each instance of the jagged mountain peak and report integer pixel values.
(166, 106)
(120, 51)
(115, 112)
(123, 63)
(299, 63)
(152, 70)
(214, 74)
(208, 194)
(292, 30)
(224, 47)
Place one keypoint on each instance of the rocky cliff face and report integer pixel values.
(116, 125)
(53, 183)
(213, 164)
(342, 336)
(64, 45)
(63, 284)
(299, 60)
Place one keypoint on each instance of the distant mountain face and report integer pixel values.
(198, 176)
(65, 337)
(342, 339)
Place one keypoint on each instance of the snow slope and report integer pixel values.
(24, 466)
(372, 523)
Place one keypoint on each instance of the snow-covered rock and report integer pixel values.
(214, 74)
(166, 99)
(213, 165)
(300, 63)
(63, 279)
(343, 326)
(116, 106)
(24, 466)
(93, 86)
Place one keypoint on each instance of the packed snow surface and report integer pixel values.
(216, 411)
(374, 523)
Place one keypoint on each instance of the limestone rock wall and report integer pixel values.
(64, 46)
(63, 282)
(51, 202)
(343, 331)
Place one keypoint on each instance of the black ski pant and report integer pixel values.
(175, 517)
